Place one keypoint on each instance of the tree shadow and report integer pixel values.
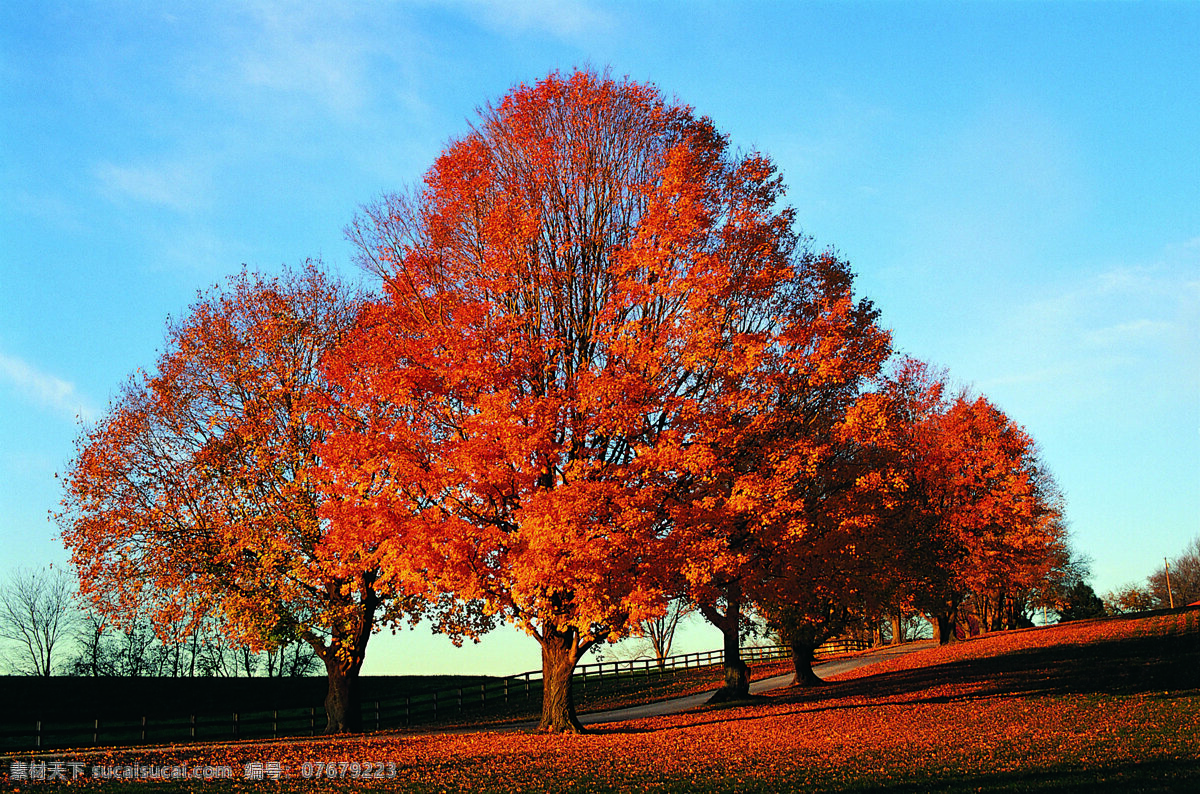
(1160, 774)
(1131, 666)
(613, 728)
(726, 719)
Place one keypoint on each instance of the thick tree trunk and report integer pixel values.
(343, 656)
(560, 653)
(803, 655)
(897, 629)
(944, 628)
(737, 673)
(342, 705)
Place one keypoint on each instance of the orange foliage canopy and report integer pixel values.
(983, 514)
(587, 290)
(197, 491)
(773, 515)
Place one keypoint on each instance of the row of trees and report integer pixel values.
(1176, 584)
(604, 373)
(45, 631)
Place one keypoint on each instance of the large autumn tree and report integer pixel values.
(980, 512)
(576, 303)
(839, 554)
(196, 494)
(765, 518)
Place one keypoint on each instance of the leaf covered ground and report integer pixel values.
(1105, 704)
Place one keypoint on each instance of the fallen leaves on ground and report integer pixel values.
(869, 729)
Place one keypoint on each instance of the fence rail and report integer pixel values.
(422, 707)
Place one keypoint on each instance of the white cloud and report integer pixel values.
(291, 62)
(993, 192)
(305, 49)
(1116, 336)
(1133, 332)
(45, 390)
(173, 185)
(564, 19)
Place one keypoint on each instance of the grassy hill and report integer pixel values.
(1095, 705)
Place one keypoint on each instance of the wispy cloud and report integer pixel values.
(43, 389)
(1117, 333)
(994, 190)
(563, 19)
(1133, 332)
(305, 49)
(173, 185)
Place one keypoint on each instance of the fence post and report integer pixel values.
(435, 705)
(193, 722)
(376, 715)
(407, 713)
(96, 731)
(275, 724)
(235, 725)
(143, 729)
(312, 720)
(37, 734)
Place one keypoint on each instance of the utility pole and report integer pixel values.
(1170, 595)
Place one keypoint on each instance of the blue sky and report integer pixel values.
(1016, 184)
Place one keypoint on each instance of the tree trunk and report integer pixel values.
(737, 673)
(897, 629)
(560, 653)
(1000, 614)
(343, 656)
(803, 654)
(944, 628)
(342, 706)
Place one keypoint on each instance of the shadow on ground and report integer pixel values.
(1163, 774)
(1169, 664)
(1156, 775)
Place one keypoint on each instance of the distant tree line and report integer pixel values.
(46, 630)
(1176, 583)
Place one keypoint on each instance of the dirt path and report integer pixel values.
(676, 705)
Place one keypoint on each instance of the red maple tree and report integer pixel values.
(766, 518)
(979, 509)
(197, 492)
(577, 301)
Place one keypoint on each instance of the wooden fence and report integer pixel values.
(412, 709)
